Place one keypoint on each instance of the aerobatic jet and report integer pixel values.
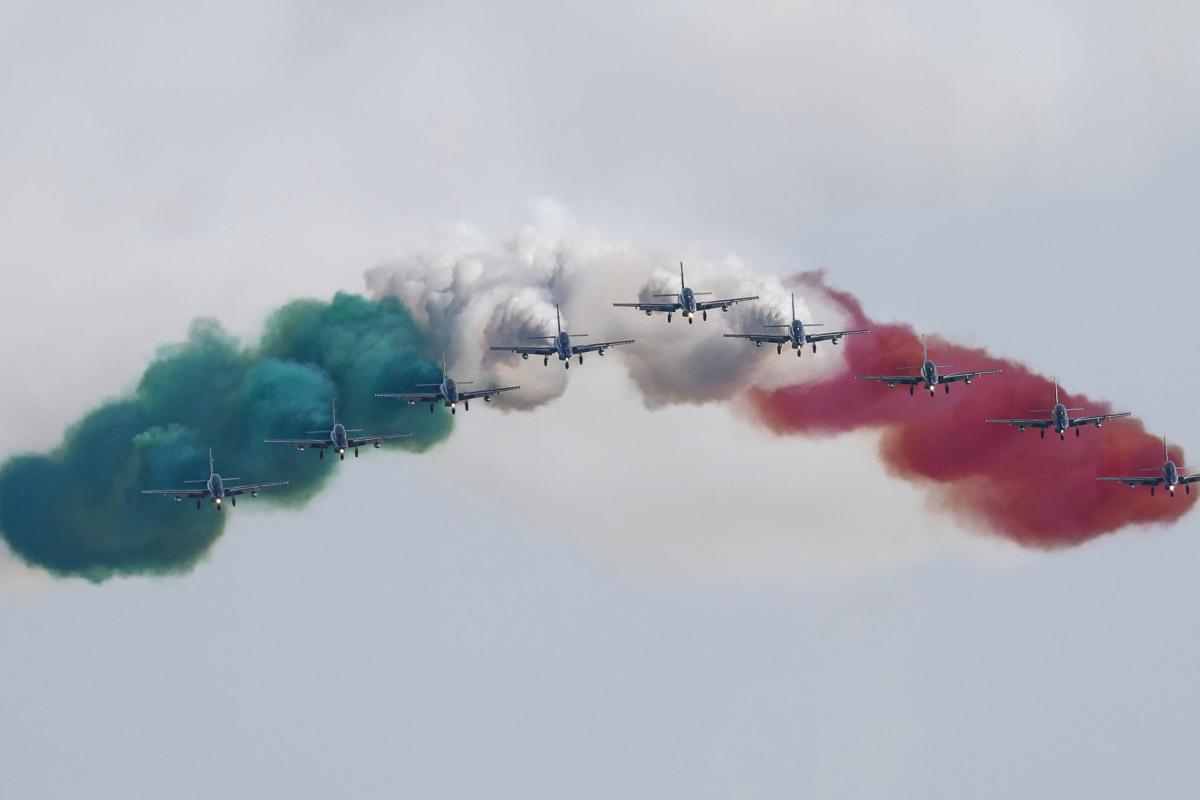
(796, 337)
(561, 346)
(339, 439)
(1169, 475)
(685, 303)
(1060, 419)
(927, 375)
(214, 488)
(447, 393)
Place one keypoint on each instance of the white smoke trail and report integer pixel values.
(473, 291)
(694, 499)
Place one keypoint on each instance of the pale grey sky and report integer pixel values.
(1023, 176)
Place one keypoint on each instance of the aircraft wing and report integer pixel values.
(532, 350)
(361, 440)
(834, 335)
(412, 397)
(178, 492)
(1138, 480)
(665, 308)
(1023, 423)
(708, 305)
(893, 380)
(253, 488)
(1096, 419)
(309, 443)
(773, 338)
(1190, 478)
(601, 346)
(486, 393)
(965, 376)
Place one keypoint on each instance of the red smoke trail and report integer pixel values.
(1040, 493)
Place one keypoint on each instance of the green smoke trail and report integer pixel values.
(79, 510)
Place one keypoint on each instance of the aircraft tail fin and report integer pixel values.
(558, 317)
(211, 470)
(682, 285)
(793, 306)
(333, 406)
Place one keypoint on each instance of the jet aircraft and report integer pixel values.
(1169, 475)
(1060, 419)
(214, 488)
(561, 346)
(447, 393)
(685, 302)
(927, 375)
(796, 337)
(338, 439)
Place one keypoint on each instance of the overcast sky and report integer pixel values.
(1022, 176)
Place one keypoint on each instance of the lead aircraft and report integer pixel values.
(685, 303)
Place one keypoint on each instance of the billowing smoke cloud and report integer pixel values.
(1039, 493)
(79, 510)
(474, 292)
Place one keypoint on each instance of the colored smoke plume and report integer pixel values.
(1040, 493)
(79, 510)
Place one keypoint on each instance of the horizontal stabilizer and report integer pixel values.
(428, 385)
(203, 481)
(540, 338)
(1150, 469)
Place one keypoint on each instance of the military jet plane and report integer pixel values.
(1060, 419)
(1169, 476)
(338, 439)
(927, 375)
(447, 393)
(797, 335)
(561, 346)
(215, 489)
(685, 303)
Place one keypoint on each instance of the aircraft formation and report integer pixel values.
(797, 335)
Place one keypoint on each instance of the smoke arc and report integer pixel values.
(1042, 494)
(78, 511)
